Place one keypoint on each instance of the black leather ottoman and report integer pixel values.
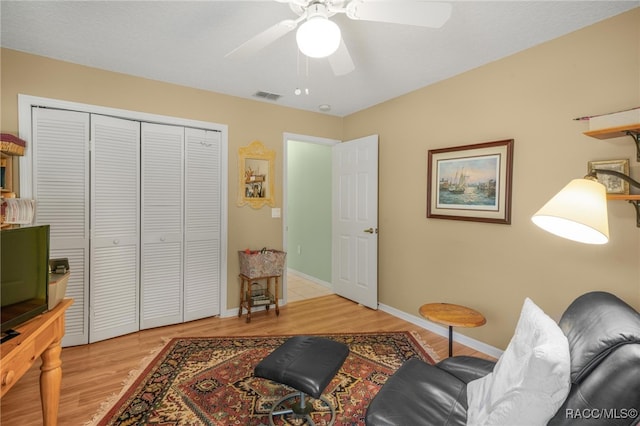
(307, 364)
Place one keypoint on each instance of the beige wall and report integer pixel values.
(247, 121)
(531, 97)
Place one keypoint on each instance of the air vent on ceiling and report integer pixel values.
(267, 95)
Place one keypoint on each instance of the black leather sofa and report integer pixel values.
(604, 344)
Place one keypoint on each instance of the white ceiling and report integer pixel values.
(185, 42)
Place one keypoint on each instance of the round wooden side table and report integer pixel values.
(453, 316)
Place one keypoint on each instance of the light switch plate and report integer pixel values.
(275, 212)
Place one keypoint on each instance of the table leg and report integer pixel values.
(248, 297)
(50, 379)
(450, 341)
(276, 297)
(241, 296)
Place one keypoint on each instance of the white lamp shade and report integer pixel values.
(578, 212)
(318, 37)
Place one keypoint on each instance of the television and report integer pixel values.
(24, 277)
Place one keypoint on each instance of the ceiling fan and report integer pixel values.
(319, 37)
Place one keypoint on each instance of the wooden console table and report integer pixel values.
(39, 337)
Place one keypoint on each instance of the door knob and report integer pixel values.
(371, 231)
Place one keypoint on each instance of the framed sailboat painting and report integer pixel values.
(471, 182)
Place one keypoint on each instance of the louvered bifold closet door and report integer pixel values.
(60, 149)
(115, 219)
(202, 224)
(162, 201)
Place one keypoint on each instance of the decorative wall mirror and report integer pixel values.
(256, 165)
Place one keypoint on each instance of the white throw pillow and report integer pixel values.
(530, 380)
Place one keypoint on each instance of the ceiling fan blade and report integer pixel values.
(263, 39)
(407, 12)
(340, 61)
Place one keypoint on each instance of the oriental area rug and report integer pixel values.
(210, 381)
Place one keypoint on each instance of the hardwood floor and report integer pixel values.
(94, 372)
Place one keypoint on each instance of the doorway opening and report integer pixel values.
(307, 192)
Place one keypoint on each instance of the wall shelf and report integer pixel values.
(623, 197)
(6, 183)
(632, 130)
(614, 132)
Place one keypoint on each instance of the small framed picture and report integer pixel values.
(614, 184)
(471, 182)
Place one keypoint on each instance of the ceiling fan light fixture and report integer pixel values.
(318, 37)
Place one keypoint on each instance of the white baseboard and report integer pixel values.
(233, 312)
(442, 331)
(229, 313)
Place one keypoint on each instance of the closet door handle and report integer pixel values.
(116, 242)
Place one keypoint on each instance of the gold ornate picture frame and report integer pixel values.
(256, 175)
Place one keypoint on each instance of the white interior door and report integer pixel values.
(59, 155)
(115, 227)
(161, 289)
(355, 220)
(203, 224)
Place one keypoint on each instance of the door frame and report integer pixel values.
(26, 102)
(286, 138)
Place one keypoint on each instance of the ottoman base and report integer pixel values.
(300, 408)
